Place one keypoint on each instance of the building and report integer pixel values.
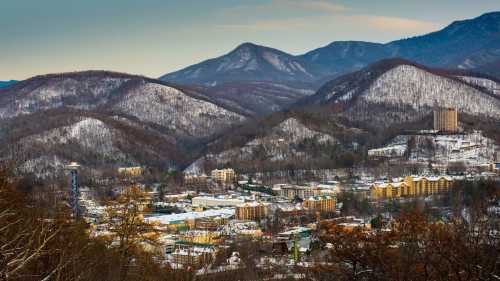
(322, 204)
(294, 232)
(192, 257)
(226, 176)
(221, 201)
(446, 120)
(130, 171)
(201, 237)
(347, 224)
(197, 182)
(251, 211)
(395, 150)
(411, 186)
(291, 191)
(188, 220)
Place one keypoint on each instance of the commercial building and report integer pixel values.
(322, 204)
(446, 120)
(197, 182)
(188, 220)
(395, 150)
(226, 176)
(411, 186)
(294, 232)
(130, 171)
(251, 211)
(203, 237)
(194, 257)
(291, 191)
(348, 224)
(220, 201)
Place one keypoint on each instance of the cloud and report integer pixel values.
(387, 23)
(279, 15)
(271, 25)
(286, 6)
(322, 6)
(312, 5)
(401, 26)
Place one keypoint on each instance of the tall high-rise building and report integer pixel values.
(446, 120)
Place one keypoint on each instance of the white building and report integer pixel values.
(222, 201)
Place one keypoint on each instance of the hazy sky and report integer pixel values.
(153, 37)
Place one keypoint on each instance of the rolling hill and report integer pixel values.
(99, 118)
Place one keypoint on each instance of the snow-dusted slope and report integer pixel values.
(94, 140)
(103, 118)
(292, 131)
(257, 97)
(176, 108)
(399, 91)
(56, 92)
(488, 84)
(248, 62)
(169, 107)
(407, 85)
(89, 133)
(284, 141)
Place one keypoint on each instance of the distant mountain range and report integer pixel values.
(4, 84)
(469, 44)
(256, 103)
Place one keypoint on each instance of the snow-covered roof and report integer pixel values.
(167, 219)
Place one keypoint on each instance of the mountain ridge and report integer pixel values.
(475, 42)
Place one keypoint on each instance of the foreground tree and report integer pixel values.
(38, 242)
(414, 249)
(128, 230)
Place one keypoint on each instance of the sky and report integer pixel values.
(154, 37)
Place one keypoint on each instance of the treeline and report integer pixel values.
(413, 249)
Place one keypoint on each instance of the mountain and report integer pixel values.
(466, 44)
(492, 68)
(107, 117)
(356, 112)
(281, 141)
(257, 98)
(4, 84)
(260, 80)
(96, 141)
(463, 44)
(248, 62)
(397, 91)
(345, 56)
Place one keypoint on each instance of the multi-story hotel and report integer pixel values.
(251, 211)
(291, 191)
(198, 182)
(446, 120)
(223, 175)
(411, 186)
(322, 204)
